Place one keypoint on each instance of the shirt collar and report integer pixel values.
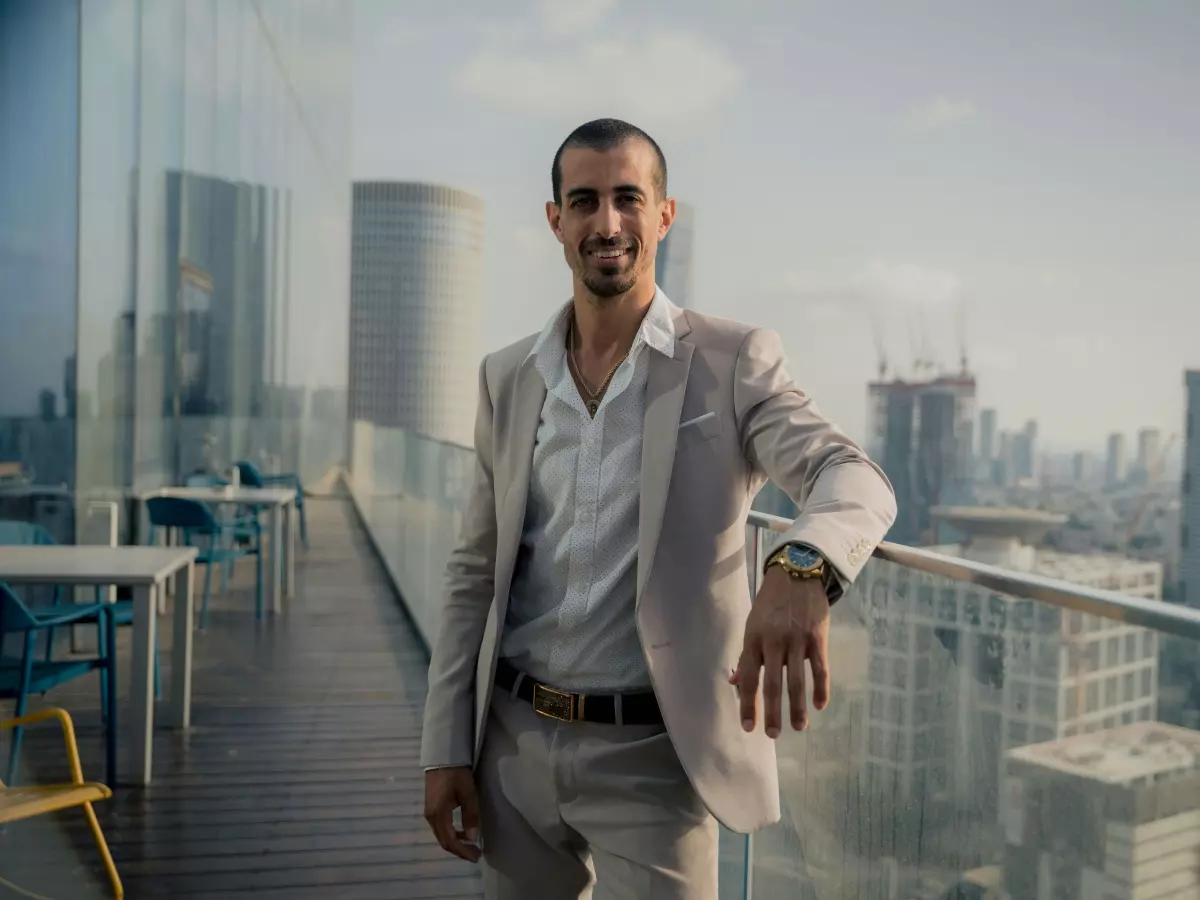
(657, 331)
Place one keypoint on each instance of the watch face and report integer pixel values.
(803, 557)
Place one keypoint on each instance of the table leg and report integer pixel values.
(168, 590)
(145, 624)
(289, 575)
(277, 558)
(181, 648)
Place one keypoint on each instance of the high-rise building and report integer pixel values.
(1189, 527)
(1025, 458)
(1081, 468)
(673, 265)
(158, 279)
(922, 434)
(1149, 453)
(1115, 462)
(987, 436)
(1004, 467)
(1138, 789)
(960, 674)
(416, 307)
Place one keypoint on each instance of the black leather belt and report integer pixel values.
(636, 709)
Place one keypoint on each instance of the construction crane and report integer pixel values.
(961, 325)
(880, 347)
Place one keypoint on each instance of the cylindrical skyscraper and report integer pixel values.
(673, 264)
(416, 307)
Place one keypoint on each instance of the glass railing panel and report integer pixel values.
(411, 491)
(733, 866)
(982, 742)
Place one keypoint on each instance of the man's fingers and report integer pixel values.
(441, 822)
(797, 702)
(469, 801)
(818, 661)
(452, 841)
(773, 660)
(442, 797)
(746, 679)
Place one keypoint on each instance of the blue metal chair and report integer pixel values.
(252, 477)
(217, 541)
(20, 677)
(16, 532)
(244, 534)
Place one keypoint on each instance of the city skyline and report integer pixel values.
(937, 183)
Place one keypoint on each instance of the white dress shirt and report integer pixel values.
(570, 621)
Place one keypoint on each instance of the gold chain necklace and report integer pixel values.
(594, 397)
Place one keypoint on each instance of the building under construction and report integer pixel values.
(922, 434)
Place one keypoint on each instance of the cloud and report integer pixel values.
(563, 18)
(939, 114)
(906, 285)
(404, 34)
(666, 78)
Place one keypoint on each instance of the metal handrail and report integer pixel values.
(1168, 618)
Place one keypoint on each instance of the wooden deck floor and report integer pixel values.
(299, 778)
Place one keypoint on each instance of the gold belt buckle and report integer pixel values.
(553, 704)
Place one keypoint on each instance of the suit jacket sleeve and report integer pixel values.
(448, 735)
(845, 501)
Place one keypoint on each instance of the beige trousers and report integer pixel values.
(572, 811)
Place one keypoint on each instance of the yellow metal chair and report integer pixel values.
(35, 800)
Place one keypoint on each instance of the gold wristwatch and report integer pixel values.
(799, 561)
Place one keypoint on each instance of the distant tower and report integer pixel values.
(416, 306)
(1025, 452)
(673, 265)
(922, 434)
(987, 435)
(1149, 449)
(1115, 461)
(1189, 531)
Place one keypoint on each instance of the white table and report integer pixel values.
(146, 570)
(282, 530)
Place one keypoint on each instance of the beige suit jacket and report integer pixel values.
(693, 596)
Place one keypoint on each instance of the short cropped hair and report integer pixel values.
(605, 134)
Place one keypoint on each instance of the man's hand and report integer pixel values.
(446, 790)
(788, 623)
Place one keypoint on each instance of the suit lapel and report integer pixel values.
(665, 391)
(530, 396)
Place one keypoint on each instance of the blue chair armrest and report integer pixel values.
(62, 616)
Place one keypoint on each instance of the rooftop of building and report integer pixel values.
(1010, 537)
(1120, 755)
(1073, 566)
(956, 381)
(1026, 525)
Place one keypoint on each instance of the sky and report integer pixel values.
(1016, 181)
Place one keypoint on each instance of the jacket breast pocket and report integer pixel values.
(699, 429)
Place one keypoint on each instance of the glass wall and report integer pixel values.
(178, 172)
(39, 105)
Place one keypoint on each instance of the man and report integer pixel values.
(584, 710)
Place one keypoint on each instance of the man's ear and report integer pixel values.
(666, 217)
(554, 217)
